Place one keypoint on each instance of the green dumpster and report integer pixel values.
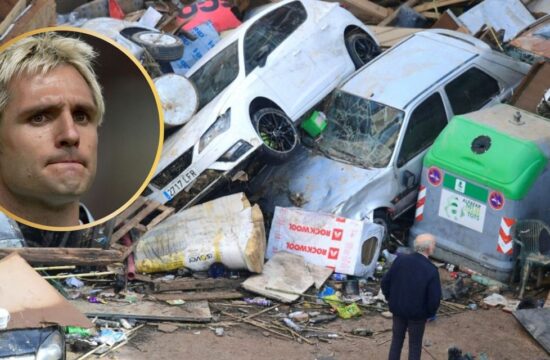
(486, 170)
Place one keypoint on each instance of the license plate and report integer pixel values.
(180, 183)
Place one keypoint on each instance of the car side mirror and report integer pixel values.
(409, 179)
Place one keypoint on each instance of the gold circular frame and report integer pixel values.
(161, 129)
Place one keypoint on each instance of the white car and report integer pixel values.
(253, 86)
(366, 165)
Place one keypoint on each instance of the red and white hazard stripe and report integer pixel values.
(504, 244)
(419, 215)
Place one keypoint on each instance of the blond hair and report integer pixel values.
(43, 52)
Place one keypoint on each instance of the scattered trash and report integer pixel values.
(258, 301)
(291, 324)
(362, 332)
(495, 300)
(74, 282)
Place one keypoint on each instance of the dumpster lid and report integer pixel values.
(494, 147)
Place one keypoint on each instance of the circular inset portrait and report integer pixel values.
(80, 129)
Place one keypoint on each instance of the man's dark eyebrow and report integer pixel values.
(89, 109)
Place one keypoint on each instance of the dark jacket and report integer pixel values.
(412, 287)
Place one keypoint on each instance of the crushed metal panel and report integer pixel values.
(31, 301)
(510, 15)
(536, 39)
(537, 323)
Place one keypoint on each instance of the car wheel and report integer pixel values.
(361, 48)
(277, 132)
(161, 46)
(382, 218)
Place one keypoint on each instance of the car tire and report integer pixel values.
(161, 46)
(382, 218)
(277, 132)
(361, 48)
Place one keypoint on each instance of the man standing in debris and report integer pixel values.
(50, 109)
(413, 291)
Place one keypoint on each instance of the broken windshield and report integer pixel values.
(214, 76)
(359, 131)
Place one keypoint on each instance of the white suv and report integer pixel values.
(253, 86)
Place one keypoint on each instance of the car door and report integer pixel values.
(427, 119)
(273, 50)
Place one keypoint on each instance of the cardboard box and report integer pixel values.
(345, 245)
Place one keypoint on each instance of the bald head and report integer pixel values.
(425, 244)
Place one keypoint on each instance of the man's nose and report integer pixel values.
(67, 130)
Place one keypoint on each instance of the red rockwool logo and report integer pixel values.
(337, 234)
(333, 253)
(306, 248)
(309, 229)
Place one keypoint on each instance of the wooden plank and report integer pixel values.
(202, 295)
(152, 205)
(432, 5)
(165, 212)
(130, 210)
(41, 14)
(66, 256)
(389, 36)
(367, 8)
(431, 15)
(197, 284)
(147, 310)
(531, 89)
(393, 15)
(9, 10)
(447, 21)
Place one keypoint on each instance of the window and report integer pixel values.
(367, 250)
(471, 91)
(269, 32)
(214, 76)
(426, 122)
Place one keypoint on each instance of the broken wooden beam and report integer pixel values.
(432, 5)
(201, 295)
(65, 256)
(367, 9)
(197, 284)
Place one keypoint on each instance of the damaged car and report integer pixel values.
(380, 122)
(46, 343)
(253, 86)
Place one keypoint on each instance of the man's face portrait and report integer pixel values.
(48, 137)
(65, 162)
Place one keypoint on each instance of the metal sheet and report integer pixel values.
(537, 323)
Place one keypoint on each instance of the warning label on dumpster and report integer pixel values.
(322, 239)
(462, 210)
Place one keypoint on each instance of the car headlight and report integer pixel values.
(221, 125)
(236, 151)
(51, 348)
